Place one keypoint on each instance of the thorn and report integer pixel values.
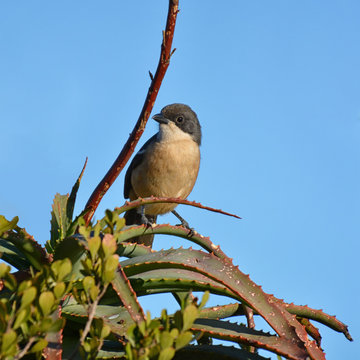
(172, 52)
(151, 76)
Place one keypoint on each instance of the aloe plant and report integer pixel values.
(78, 297)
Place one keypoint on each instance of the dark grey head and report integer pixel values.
(183, 117)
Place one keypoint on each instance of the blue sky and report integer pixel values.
(276, 88)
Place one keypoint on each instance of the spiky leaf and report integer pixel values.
(6, 225)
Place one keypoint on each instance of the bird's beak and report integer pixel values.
(161, 119)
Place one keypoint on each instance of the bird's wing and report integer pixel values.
(138, 158)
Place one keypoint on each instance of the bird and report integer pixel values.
(166, 166)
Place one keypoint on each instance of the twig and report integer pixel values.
(139, 128)
(25, 349)
(91, 314)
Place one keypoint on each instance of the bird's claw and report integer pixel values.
(185, 225)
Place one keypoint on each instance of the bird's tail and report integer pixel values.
(132, 217)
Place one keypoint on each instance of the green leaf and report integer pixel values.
(72, 198)
(57, 325)
(109, 245)
(43, 326)
(110, 266)
(240, 333)
(204, 299)
(94, 246)
(28, 296)
(166, 340)
(4, 270)
(127, 295)
(10, 282)
(72, 248)
(217, 352)
(13, 256)
(33, 251)
(9, 339)
(174, 333)
(60, 221)
(59, 290)
(61, 268)
(183, 339)
(88, 282)
(24, 285)
(167, 354)
(105, 331)
(6, 225)
(219, 270)
(38, 346)
(21, 317)
(46, 302)
(94, 292)
(117, 317)
(190, 314)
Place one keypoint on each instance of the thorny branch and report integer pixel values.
(139, 128)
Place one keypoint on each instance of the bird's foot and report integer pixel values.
(145, 221)
(148, 221)
(184, 224)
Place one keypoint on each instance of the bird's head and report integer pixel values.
(182, 117)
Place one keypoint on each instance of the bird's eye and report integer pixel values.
(180, 119)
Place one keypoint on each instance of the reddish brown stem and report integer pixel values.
(134, 137)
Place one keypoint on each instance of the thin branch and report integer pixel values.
(25, 349)
(91, 314)
(139, 128)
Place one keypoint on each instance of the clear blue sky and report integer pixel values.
(276, 86)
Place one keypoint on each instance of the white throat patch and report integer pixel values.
(170, 132)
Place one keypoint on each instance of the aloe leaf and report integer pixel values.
(127, 295)
(117, 317)
(176, 280)
(6, 225)
(164, 229)
(222, 311)
(72, 248)
(72, 198)
(68, 346)
(310, 329)
(220, 329)
(131, 250)
(215, 352)
(13, 256)
(155, 200)
(26, 244)
(110, 350)
(319, 316)
(224, 272)
(60, 221)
